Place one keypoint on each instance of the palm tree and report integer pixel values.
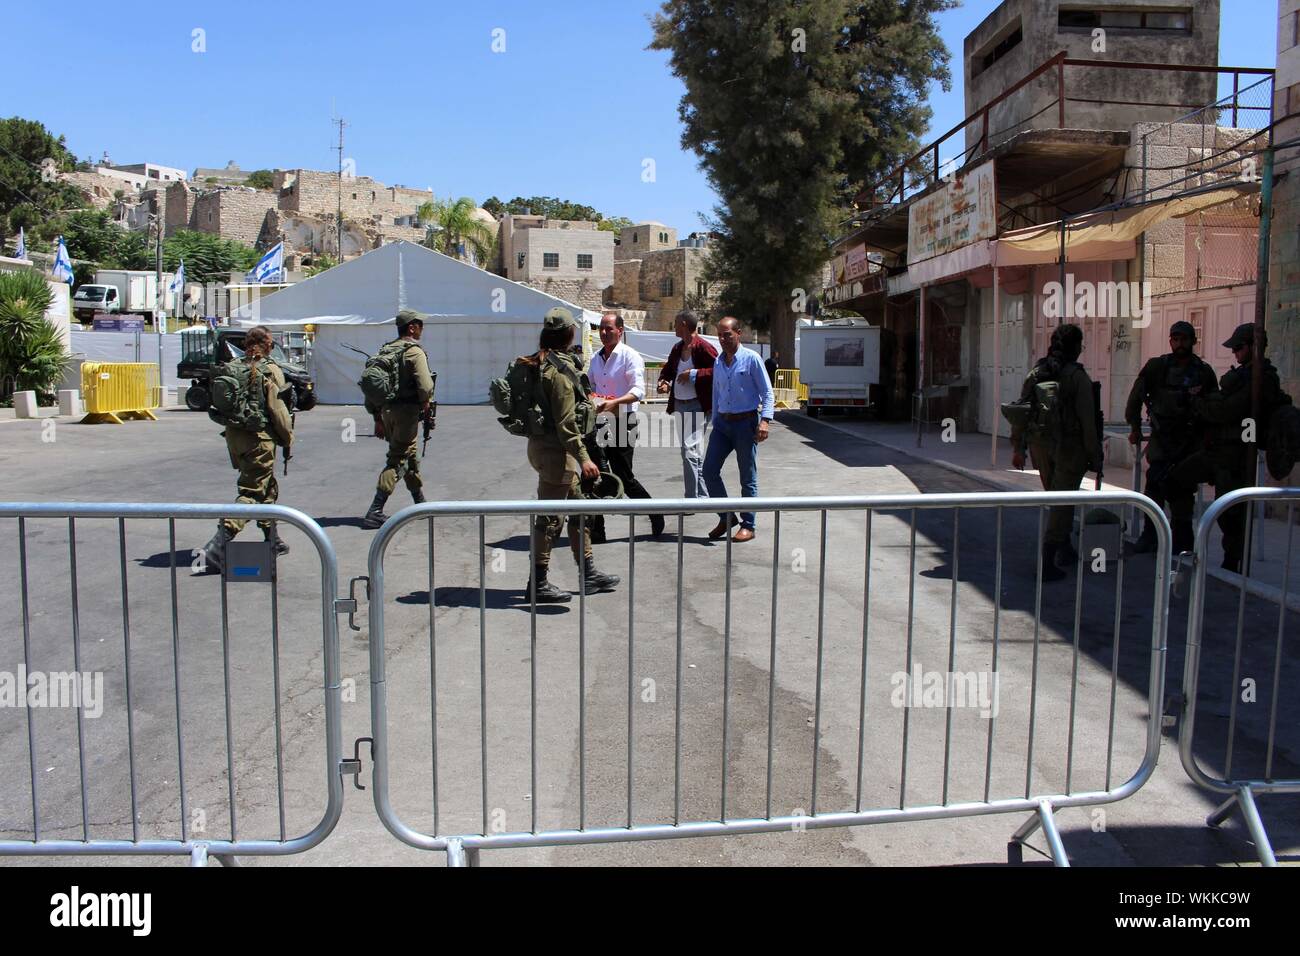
(454, 230)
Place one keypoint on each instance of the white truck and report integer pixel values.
(122, 292)
(838, 362)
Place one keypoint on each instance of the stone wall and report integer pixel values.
(179, 208)
(232, 213)
(581, 292)
(635, 241)
(99, 189)
(317, 193)
(1177, 158)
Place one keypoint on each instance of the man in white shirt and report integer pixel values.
(617, 375)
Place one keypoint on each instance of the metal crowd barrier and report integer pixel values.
(479, 743)
(1240, 788)
(172, 654)
(113, 391)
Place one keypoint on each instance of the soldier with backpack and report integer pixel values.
(1165, 386)
(545, 398)
(1028, 417)
(1228, 460)
(398, 388)
(1069, 411)
(247, 398)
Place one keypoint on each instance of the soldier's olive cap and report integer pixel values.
(1183, 328)
(559, 318)
(1244, 334)
(407, 316)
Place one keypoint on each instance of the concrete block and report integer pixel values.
(1191, 134)
(25, 405)
(1169, 261)
(180, 394)
(69, 402)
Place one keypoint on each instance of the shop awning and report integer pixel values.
(1107, 235)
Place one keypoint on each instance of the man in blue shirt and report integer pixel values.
(742, 411)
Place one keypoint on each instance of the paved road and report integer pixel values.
(331, 479)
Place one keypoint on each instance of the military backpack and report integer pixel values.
(521, 403)
(1281, 441)
(239, 396)
(1035, 414)
(381, 379)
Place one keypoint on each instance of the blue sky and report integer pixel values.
(571, 108)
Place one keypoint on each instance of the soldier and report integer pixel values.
(1033, 437)
(1074, 442)
(398, 420)
(559, 455)
(1165, 386)
(252, 453)
(1227, 461)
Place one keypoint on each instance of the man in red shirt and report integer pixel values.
(687, 378)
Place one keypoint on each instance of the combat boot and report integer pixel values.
(417, 495)
(597, 581)
(375, 516)
(214, 550)
(272, 536)
(1184, 536)
(1050, 571)
(547, 593)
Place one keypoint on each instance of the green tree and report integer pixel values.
(208, 258)
(32, 355)
(494, 206)
(456, 231)
(792, 106)
(261, 179)
(319, 264)
(614, 223)
(29, 197)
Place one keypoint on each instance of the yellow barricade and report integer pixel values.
(787, 379)
(113, 391)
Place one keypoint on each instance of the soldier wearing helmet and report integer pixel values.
(1165, 387)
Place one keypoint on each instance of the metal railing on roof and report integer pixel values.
(928, 158)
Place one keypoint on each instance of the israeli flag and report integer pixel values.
(21, 251)
(62, 264)
(270, 268)
(178, 281)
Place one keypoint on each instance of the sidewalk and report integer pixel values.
(970, 455)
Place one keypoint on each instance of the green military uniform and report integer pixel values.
(1076, 446)
(402, 420)
(558, 458)
(252, 454)
(1031, 437)
(1226, 460)
(558, 455)
(1163, 386)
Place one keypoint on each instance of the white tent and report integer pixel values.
(478, 322)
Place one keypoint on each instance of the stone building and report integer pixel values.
(658, 275)
(566, 258)
(228, 175)
(967, 314)
(1021, 35)
(232, 212)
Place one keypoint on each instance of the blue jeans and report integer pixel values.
(737, 436)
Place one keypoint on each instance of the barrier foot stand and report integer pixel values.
(99, 418)
(1043, 818)
(199, 855)
(1244, 799)
(227, 860)
(460, 855)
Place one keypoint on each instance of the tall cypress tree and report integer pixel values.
(792, 106)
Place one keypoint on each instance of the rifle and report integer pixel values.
(1101, 429)
(429, 417)
(293, 423)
